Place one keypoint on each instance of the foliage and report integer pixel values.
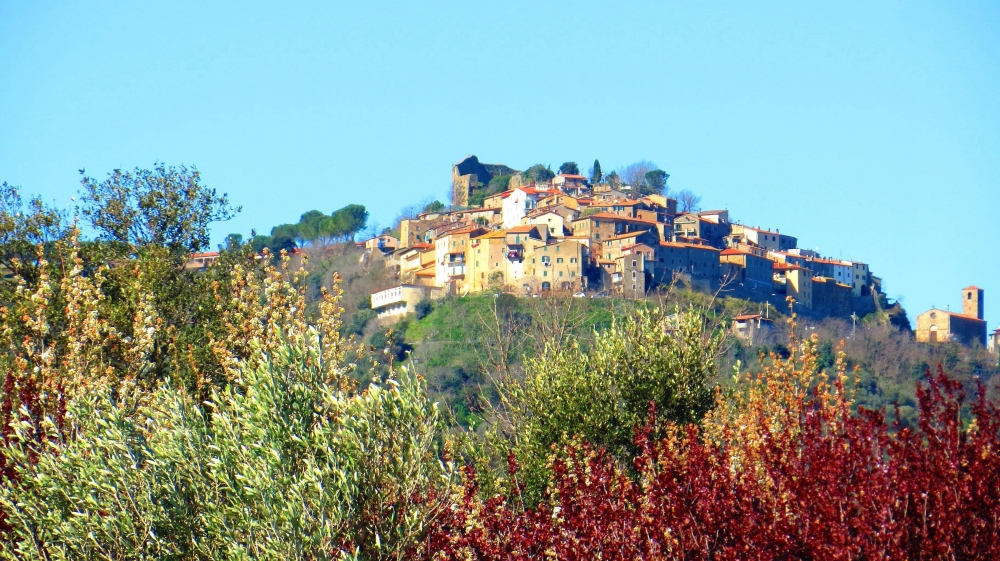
(434, 206)
(497, 184)
(656, 182)
(538, 174)
(569, 168)
(613, 179)
(596, 175)
(23, 228)
(164, 207)
(315, 228)
(600, 394)
(349, 220)
(285, 460)
(797, 475)
(423, 308)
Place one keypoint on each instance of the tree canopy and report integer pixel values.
(434, 206)
(538, 173)
(166, 206)
(656, 182)
(569, 168)
(595, 173)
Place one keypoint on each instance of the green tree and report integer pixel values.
(23, 227)
(569, 168)
(434, 206)
(350, 220)
(595, 173)
(656, 182)
(288, 462)
(233, 242)
(602, 393)
(166, 206)
(538, 174)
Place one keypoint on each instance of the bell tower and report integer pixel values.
(972, 302)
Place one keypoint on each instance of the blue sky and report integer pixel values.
(868, 130)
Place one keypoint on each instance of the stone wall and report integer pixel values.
(470, 174)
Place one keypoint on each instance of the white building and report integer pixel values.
(398, 300)
(518, 203)
(554, 222)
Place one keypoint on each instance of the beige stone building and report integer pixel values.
(794, 281)
(486, 262)
(969, 327)
(450, 251)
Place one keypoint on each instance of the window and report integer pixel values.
(634, 263)
(545, 259)
(560, 273)
(545, 273)
(968, 296)
(572, 273)
(572, 259)
(558, 259)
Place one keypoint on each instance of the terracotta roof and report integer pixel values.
(779, 266)
(689, 245)
(744, 317)
(427, 271)
(732, 251)
(204, 254)
(543, 210)
(828, 261)
(693, 239)
(461, 230)
(492, 235)
(571, 176)
(972, 287)
(965, 316)
(524, 229)
(612, 216)
(625, 236)
(623, 202)
(533, 191)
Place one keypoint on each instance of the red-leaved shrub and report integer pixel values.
(834, 484)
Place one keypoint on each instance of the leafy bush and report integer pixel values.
(423, 308)
(286, 464)
(601, 394)
(787, 470)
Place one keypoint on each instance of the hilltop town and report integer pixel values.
(537, 232)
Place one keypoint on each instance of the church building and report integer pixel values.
(967, 328)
